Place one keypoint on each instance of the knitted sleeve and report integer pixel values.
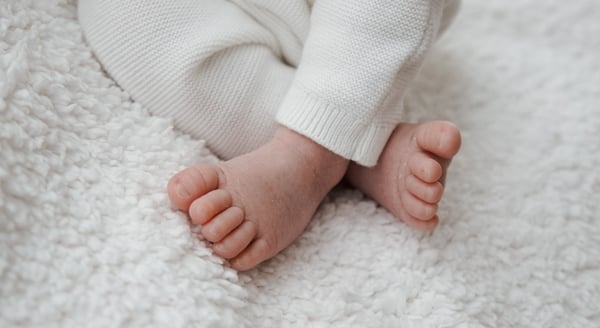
(357, 60)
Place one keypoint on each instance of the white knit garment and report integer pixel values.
(226, 71)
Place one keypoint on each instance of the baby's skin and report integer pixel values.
(255, 205)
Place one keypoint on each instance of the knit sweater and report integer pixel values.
(229, 71)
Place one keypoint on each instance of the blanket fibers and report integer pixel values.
(88, 238)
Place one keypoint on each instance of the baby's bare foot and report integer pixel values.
(409, 178)
(255, 205)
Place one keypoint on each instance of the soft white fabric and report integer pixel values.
(222, 69)
(87, 237)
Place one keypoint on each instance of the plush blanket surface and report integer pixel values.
(88, 238)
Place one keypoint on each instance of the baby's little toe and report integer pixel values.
(236, 241)
(427, 225)
(418, 208)
(224, 223)
(428, 192)
(256, 253)
(209, 205)
(184, 187)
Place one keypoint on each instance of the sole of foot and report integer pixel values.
(410, 175)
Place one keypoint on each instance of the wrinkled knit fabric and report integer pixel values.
(230, 71)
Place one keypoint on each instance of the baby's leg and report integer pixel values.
(410, 175)
(220, 75)
(207, 65)
(260, 200)
(227, 93)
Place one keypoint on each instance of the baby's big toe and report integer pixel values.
(441, 138)
(184, 187)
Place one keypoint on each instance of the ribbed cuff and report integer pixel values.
(344, 132)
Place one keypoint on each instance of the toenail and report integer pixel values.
(181, 191)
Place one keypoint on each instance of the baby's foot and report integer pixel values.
(255, 205)
(409, 178)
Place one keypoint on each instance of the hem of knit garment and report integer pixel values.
(358, 139)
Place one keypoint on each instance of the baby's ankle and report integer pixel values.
(323, 163)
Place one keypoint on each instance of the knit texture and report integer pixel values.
(226, 71)
(357, 62)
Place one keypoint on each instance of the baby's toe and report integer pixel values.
(256, 253)
(425, 168)
(418, 208)
(184, 187)
(441, 138)
(206, 207)
(224, 223)
(428, 192)
(423, 225)
(236, 241)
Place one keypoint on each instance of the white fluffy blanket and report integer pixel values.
(88, 238)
